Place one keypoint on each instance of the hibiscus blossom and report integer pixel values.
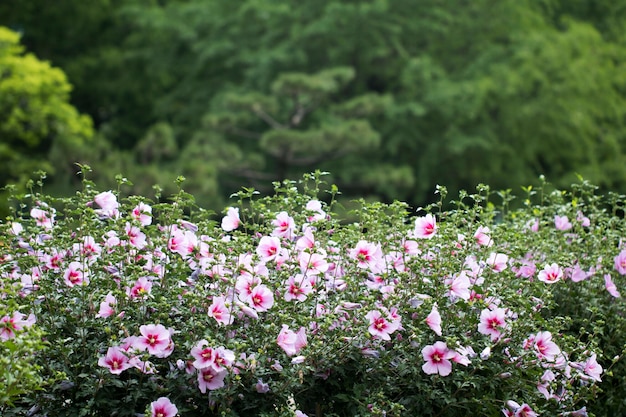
(437, 359)
(425, 227)
(163, 407)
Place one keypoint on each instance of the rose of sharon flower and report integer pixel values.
(231, 221)
(562, 223)
(116, 360)
(610, 286)
(291, 342)
(156, 339)
(492, 322)
(425, 227)
(620, 262)
(434, 320)
(163, 407)
(437, 359)
(550, 274)
(10, 324)
(209, 378)
(381, 326)
(108, 205)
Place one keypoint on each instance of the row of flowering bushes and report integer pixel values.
(129, 306)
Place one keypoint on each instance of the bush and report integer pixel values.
(282, 308)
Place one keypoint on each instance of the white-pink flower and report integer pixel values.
(231, 221)
(550, 273)
(298, 287)
(43, 218)
(315, 207)
(482, 237)
(11, 324)
(142, 213)
(381, 326)
(156, 339)
(284, 225)
(209, 378)
(592, 368)
(433, 320)
(368, 255)
(106, 309)
(219, 311)
(291, 342)
(261, 298)
(108, 205)
(497, 261)
(268, 248)
(163, 407)
(492, 322)
(459, 286)
(425, 227)
(437, 359)
(74, 275)
(544, 347)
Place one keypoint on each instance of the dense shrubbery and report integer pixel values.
(285, 309)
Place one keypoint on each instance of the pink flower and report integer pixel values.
(550, 273)
(544, 347)
(562, 223)
(209, 378)
(142, 213)
(42, 217)
(261, 298)
(492, 322)
(105, 307)
(381, 326)
(459, 286)
(425, 227)
(203, 355)
(163, 407)
(434, 320)
(610, 286)
(268, 248)
(497, 262)
(482, 237)
(312, 263)
(231, 221)
(437, 359)
(368, 255)
(532, 225)
(284, 225)
(592, 368)
(156, 339)
(116, 360)
(584, 221)
(292, 343)
(516, 410)
(74, 275)
(315, 207)
(11, 324)
(620, 262)
(108, 205)
(298, 287)
(140, 289)
(220, 312)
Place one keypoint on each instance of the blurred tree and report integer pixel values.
(35, 114)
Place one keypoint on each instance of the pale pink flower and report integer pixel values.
(482, 237)
(368, 255)
(315, 207)
(222, 358)
(425, 227)
(11, 324)
(492, 322)
(620, 262)
(298, 287)
(141, 288)
(135, 236)
(203, 354)
(313, 263)
(156, 339)
(550, 274)
(584, 221)
(284, 225)
(42, 217)
(544, 347)
(182, 242)
(74, 275)
(219, 311)
(307, 241)
(142, 213)
(268, 248)
(231, 221)
(459, 286)
(209, 378)
(525, 411)
(244, 285)
(89, 249)
(433, 320)
(610, 286)
(108, 205)
(437, 359)
(16, 228)
(562, 223)
(163, 407)
(261, 387)
(532, 225)
(116, 360)
(261, 298)
(592, 368)
(299, 413)
(291, 342)
(497, 261)
(106, 309)
(380, 326)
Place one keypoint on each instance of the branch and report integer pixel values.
(256, 108)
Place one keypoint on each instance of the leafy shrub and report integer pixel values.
(282, 308)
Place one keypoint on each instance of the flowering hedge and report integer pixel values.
(281, 308)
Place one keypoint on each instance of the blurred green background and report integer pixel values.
(391, 96)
